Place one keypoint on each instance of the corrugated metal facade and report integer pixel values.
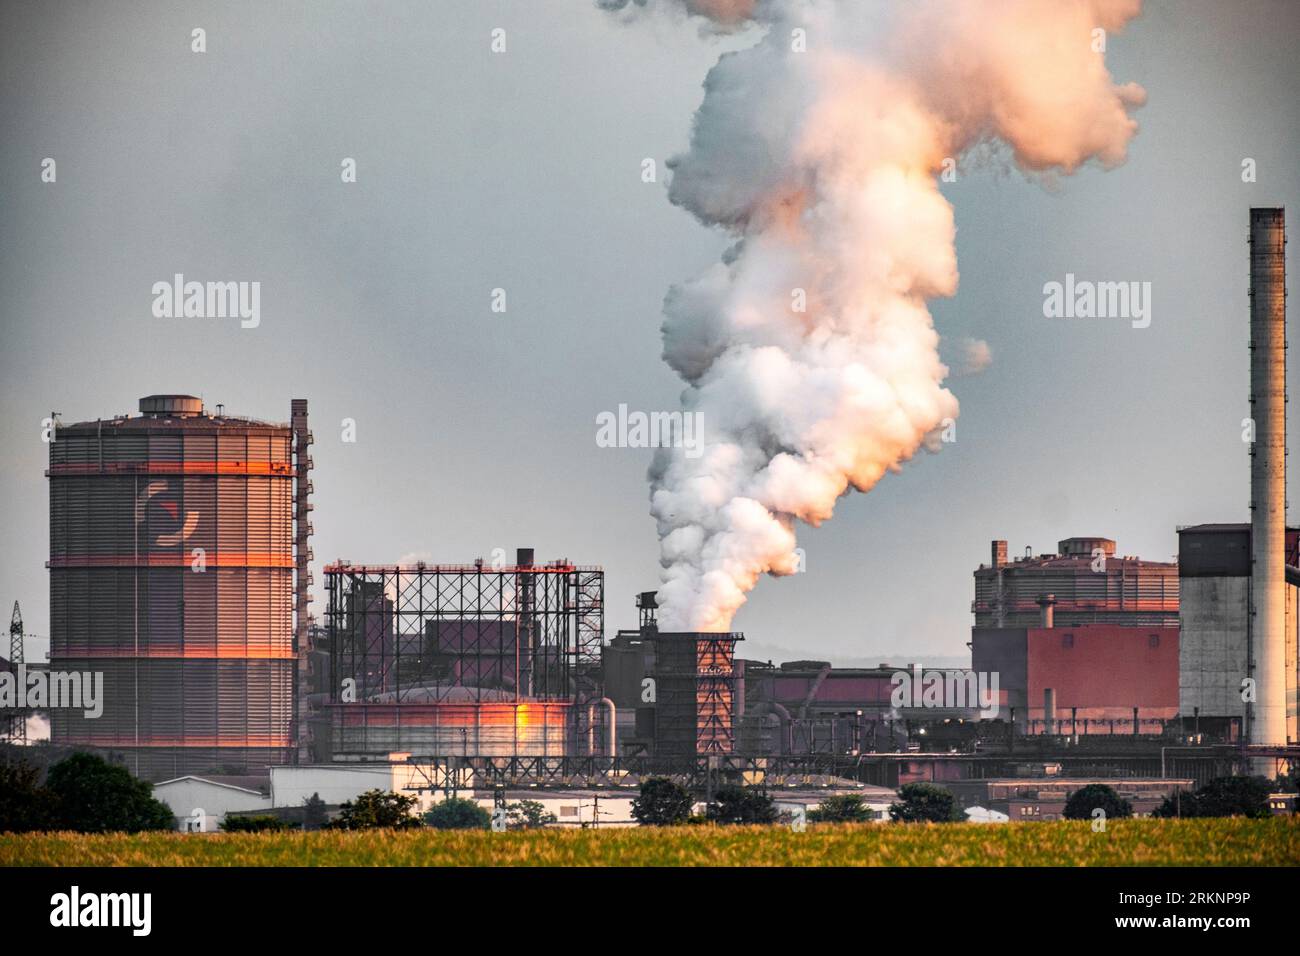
(1087, 589)
(171, 571)
(533, 729)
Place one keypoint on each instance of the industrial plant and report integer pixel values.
(179, 567)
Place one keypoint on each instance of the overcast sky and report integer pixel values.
(522, 171)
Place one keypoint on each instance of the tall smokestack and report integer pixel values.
(1268, 473)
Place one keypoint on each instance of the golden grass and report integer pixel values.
(1220, 842)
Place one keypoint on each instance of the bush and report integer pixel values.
(924, 802)
(24, 803)
(1221, 797)
(263, 823)
(1085, 800)
(846, 808)
(377, 810)
(1288, 782)
(93, 796)
(736, 804)
(528, 815)
(314, 816)
(456, 813)
(662, 803)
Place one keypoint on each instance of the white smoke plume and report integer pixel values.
(809, 350)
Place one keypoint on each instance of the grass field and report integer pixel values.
(1231, 842)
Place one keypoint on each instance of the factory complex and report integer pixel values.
(180, 564)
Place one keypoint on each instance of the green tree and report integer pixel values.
(314, 815)
(377, 810)
(925, 802)
(1085, 800)
(94, 796)
(737, 804)
(662, 803)
(1288, 782)
(262, 823)
(456, 813)
(1221, 797)
(24, 804)
(528, 815)
(845, 808)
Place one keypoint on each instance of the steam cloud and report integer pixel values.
(975, 357)
(823, 164)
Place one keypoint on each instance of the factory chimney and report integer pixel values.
(1268, 473)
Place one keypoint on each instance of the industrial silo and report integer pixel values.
(173, 552)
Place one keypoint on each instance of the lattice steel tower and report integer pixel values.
(16, 726)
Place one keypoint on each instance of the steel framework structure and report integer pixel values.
(699, 772)
(695, 684)
(490, 649)
(14, 721)
(441, 773)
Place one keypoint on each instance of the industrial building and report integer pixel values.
(681, 696)
(1086, 582)
(1044, 798)
(1214, 561)
(178, 556)
(1084, 642)
(694, 679)
(200, 804)
(676, 695)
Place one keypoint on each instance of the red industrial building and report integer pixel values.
(1087, 680)
(1098, 654)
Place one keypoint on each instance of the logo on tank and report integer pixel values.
(160, 505)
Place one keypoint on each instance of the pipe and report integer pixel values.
(1049, 709)
(771, 708)
(613, 727)
(1047, 618)
(815, 686)
(1267, 634)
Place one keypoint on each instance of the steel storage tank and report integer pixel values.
(172, 560)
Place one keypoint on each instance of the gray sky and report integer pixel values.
(522, 171)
